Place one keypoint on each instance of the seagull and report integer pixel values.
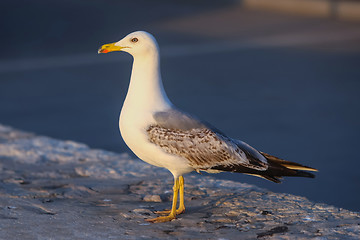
(164, 136)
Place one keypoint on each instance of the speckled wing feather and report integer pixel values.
(203, 146)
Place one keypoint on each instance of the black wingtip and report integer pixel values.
(271, 178)
(304, 174)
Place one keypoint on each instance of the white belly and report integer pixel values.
(133, 130)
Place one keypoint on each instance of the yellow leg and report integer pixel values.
(172, 214)
(181, 208)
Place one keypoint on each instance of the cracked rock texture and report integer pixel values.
(51, 189)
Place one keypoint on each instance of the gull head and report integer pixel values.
(136, 43)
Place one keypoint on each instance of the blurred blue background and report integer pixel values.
(286, 83)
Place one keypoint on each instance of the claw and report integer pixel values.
(166, 212)
(161, 219)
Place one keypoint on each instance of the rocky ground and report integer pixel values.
(51, 189)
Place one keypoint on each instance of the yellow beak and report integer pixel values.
(109, 48)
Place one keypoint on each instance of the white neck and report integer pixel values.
(146, 89)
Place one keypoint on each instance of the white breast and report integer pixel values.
(133, 130)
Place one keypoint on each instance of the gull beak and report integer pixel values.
(109, 48)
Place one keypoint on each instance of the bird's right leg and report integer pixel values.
(172, 213)
(181, 208)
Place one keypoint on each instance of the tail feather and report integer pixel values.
(287, 164)
(279, 167)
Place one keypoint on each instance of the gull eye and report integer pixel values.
(134, 40)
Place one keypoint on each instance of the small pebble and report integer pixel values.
(152, 198)
(142, 211)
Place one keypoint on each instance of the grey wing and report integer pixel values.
(204, 147)
(176, 119)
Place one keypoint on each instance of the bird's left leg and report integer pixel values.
(172, 214)
(181, 208)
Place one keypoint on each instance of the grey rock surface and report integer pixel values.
(51, 189)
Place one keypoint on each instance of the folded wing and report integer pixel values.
(202, 145)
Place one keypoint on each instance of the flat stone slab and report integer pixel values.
(51, 189)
